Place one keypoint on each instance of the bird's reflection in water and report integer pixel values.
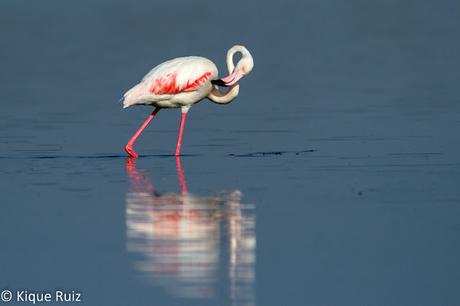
(192, 245)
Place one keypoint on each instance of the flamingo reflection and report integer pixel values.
(188, 243)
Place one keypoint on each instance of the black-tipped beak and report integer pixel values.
(219, 82)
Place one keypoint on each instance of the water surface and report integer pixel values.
(331, 180)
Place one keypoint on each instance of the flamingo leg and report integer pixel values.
(181, 132)
(129, 146)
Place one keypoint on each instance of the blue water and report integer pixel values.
(331, 180)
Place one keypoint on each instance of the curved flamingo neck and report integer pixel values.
(231, 53)
(220, 97)
(230, 64)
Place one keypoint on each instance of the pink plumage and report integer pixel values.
(179, 75)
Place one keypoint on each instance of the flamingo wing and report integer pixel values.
(183, 74)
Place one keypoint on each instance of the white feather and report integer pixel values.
(187, 70)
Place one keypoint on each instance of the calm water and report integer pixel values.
(332, 180)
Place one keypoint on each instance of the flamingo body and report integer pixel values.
(176, 83)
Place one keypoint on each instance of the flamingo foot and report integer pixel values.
(129, 149)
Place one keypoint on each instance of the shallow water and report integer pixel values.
(331, 180)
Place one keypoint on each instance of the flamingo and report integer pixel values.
(184, 81)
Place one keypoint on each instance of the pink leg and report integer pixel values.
(181, 132)
(180, 175)
(129, 146)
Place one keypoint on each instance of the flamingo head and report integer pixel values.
(243, 67)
